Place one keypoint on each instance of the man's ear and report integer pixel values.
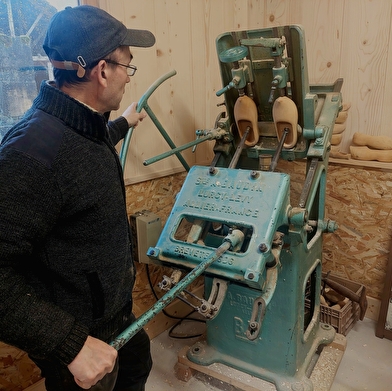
(100, 71)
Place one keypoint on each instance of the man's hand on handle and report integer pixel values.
(94, 361)
(132, 116)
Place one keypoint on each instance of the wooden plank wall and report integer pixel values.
(346, 38)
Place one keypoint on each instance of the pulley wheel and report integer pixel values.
(233, 54)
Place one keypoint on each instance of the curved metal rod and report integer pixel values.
(140, 106)
(260, 304)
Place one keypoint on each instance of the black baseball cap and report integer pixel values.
(78, 37)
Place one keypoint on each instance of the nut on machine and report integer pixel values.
(234, 221)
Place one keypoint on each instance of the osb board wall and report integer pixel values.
(360, 201)
(17, 371)
(157, 196)
(347, 38)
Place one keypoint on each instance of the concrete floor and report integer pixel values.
(366, 363)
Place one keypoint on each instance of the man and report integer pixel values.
(66, 273)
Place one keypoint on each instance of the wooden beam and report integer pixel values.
(362, 164)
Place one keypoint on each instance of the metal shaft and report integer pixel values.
(239, 149)
(177, 149)
(276, 156)
(165, 300)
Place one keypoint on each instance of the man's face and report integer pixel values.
(118, 78)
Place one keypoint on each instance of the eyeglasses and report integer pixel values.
(131, 69)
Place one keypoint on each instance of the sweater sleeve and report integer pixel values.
(118, 129)
(29, 204)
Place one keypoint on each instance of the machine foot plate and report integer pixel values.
(230, 379)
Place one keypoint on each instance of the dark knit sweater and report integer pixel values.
(65, 263)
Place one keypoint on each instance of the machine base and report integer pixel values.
(226, 378)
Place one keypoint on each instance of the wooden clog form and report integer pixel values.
(342, 117)
(365, 153)
(245, 114)
(376, 142)
(337, 154)
(339, 128)
(336, 139)
(285, 115)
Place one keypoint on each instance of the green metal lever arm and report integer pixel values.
(166, 137)
(207, 135)
(166, 299)
(232, 240)
(176, 150)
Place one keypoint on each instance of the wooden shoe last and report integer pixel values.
(245, 114)
(285, 115)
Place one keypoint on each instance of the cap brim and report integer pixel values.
(139, 38)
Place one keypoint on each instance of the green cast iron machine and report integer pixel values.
(234, 223)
